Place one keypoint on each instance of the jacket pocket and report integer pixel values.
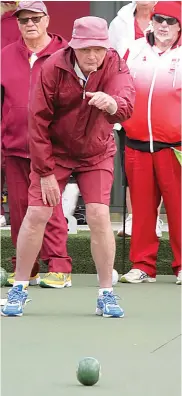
(16, 129)
(99, 145)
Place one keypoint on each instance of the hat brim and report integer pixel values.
(16, 13)
(85, 43)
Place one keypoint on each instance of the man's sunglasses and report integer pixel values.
(34, 19)
(170, 21)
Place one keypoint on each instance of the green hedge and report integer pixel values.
(79, 250)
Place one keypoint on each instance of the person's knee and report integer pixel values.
(38, 215)
(97, 216)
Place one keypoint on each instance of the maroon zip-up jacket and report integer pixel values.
(18, 81)
(64, 129)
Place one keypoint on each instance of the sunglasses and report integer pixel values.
(170, 21)
(36, 19)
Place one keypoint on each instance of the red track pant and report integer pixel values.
(54, 245)
(150, 176)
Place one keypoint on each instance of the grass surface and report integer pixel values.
(79, 250)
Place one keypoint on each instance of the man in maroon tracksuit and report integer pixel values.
(21, 65)
(9, 34)
(82, 91)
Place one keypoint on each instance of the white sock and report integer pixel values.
(23, 283)
(108, 289)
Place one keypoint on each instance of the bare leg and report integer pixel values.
(102, 241)
(128, 201)
(30, 240)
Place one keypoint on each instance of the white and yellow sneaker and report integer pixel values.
(57, 280)
(136, 276)
(34, 280)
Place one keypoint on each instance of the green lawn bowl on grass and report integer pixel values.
(88, 371)
(3, 277)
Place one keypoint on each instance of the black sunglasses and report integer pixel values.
(34, 19)
(170, 21)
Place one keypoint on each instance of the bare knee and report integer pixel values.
(38, 215)
(98, 217)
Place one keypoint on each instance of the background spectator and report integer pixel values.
(132, 22)
(21, 65)
(9, 34)
(151, 134)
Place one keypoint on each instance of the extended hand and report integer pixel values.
(102, 101)
(50, 190)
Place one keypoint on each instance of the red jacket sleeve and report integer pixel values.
(120, 86)
(40, 117)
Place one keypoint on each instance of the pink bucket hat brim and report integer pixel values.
(76, 43)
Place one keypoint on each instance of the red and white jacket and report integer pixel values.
(156, 118)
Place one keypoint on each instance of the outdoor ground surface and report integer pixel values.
(140, 355)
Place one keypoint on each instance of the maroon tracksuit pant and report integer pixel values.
(54, 249)
(2, 186)
(150, 176)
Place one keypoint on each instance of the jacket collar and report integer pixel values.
(50, 48)
(78, 72)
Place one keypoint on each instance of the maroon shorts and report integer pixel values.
(95, 182)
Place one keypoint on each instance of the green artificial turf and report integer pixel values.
(79, 250)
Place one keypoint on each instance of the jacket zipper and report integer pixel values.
(149, 111)
(30, 82)
(84, 92)
(28, 108)
(84, 89)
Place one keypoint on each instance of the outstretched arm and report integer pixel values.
(117, 97)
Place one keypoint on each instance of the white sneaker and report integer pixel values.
(136, 276)
(159, 225)
(2, 221)
(179, 278)
(128, 227)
